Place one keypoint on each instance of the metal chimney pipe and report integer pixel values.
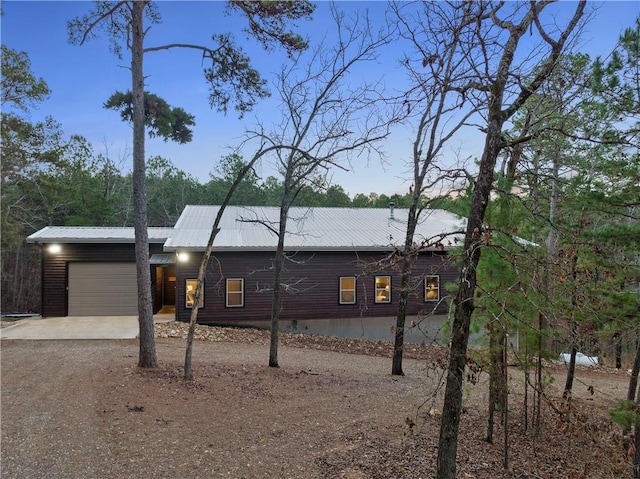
(391, 207)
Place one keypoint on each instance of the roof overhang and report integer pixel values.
(108, 235)
(162, 258)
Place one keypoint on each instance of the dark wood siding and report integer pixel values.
(55, 269)
(312, 281)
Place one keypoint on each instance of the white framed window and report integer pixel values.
(347, 290)
(235, 292)
(432, 288)
(190, 293)
(383, 289)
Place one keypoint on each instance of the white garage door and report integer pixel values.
(103, 289)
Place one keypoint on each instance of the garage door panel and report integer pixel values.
(102, 289)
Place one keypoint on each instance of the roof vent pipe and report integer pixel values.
(391, 207)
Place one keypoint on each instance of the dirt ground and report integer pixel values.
(82, 409)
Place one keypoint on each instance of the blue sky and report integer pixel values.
(82, 78)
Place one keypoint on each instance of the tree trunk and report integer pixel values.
(18, 276)
(505, 406)
(537, 393)
(405, 286)
(552, 249)
(525, 401)
(617, 344)
(147, 354)
(636, 454)
(492, 384)
(537, 407)
(633, 381)
(463, 302)
(568, 385)
(398, 346)
(574, 330)
(516, 154)
(631, 397)
(276, 301)
(188, 370)
(497, 379)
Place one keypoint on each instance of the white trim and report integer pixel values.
(355, 282)
(427, 289)
(227, 292)
(382, 295)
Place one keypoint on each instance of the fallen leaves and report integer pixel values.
(176, 329)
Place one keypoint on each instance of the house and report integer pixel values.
(341, 276)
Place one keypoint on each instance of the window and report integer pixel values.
(383, 289)
(432, 288)
(347, 290)
(190, 290)
(235, 293)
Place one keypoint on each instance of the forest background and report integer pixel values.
(50, 178)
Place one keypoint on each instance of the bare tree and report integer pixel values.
(437, 111)
(507, 85)
(326, 121)
(242, 173)
(124, 21)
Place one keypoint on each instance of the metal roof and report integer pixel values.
(93, 234)
(247, 228)
(162, 258)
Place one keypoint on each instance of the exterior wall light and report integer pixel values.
(182, 256)
(55, 248)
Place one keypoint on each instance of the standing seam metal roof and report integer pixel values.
(247, 228)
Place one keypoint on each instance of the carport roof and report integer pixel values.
(94, 234)
(315, 229)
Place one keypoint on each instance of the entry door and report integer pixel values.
(170, 286)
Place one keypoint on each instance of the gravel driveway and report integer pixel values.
(82, 409)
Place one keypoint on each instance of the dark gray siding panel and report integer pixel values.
(312, 285)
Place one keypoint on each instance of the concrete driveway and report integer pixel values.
(76, 327)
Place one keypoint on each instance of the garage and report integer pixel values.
(103, 289)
